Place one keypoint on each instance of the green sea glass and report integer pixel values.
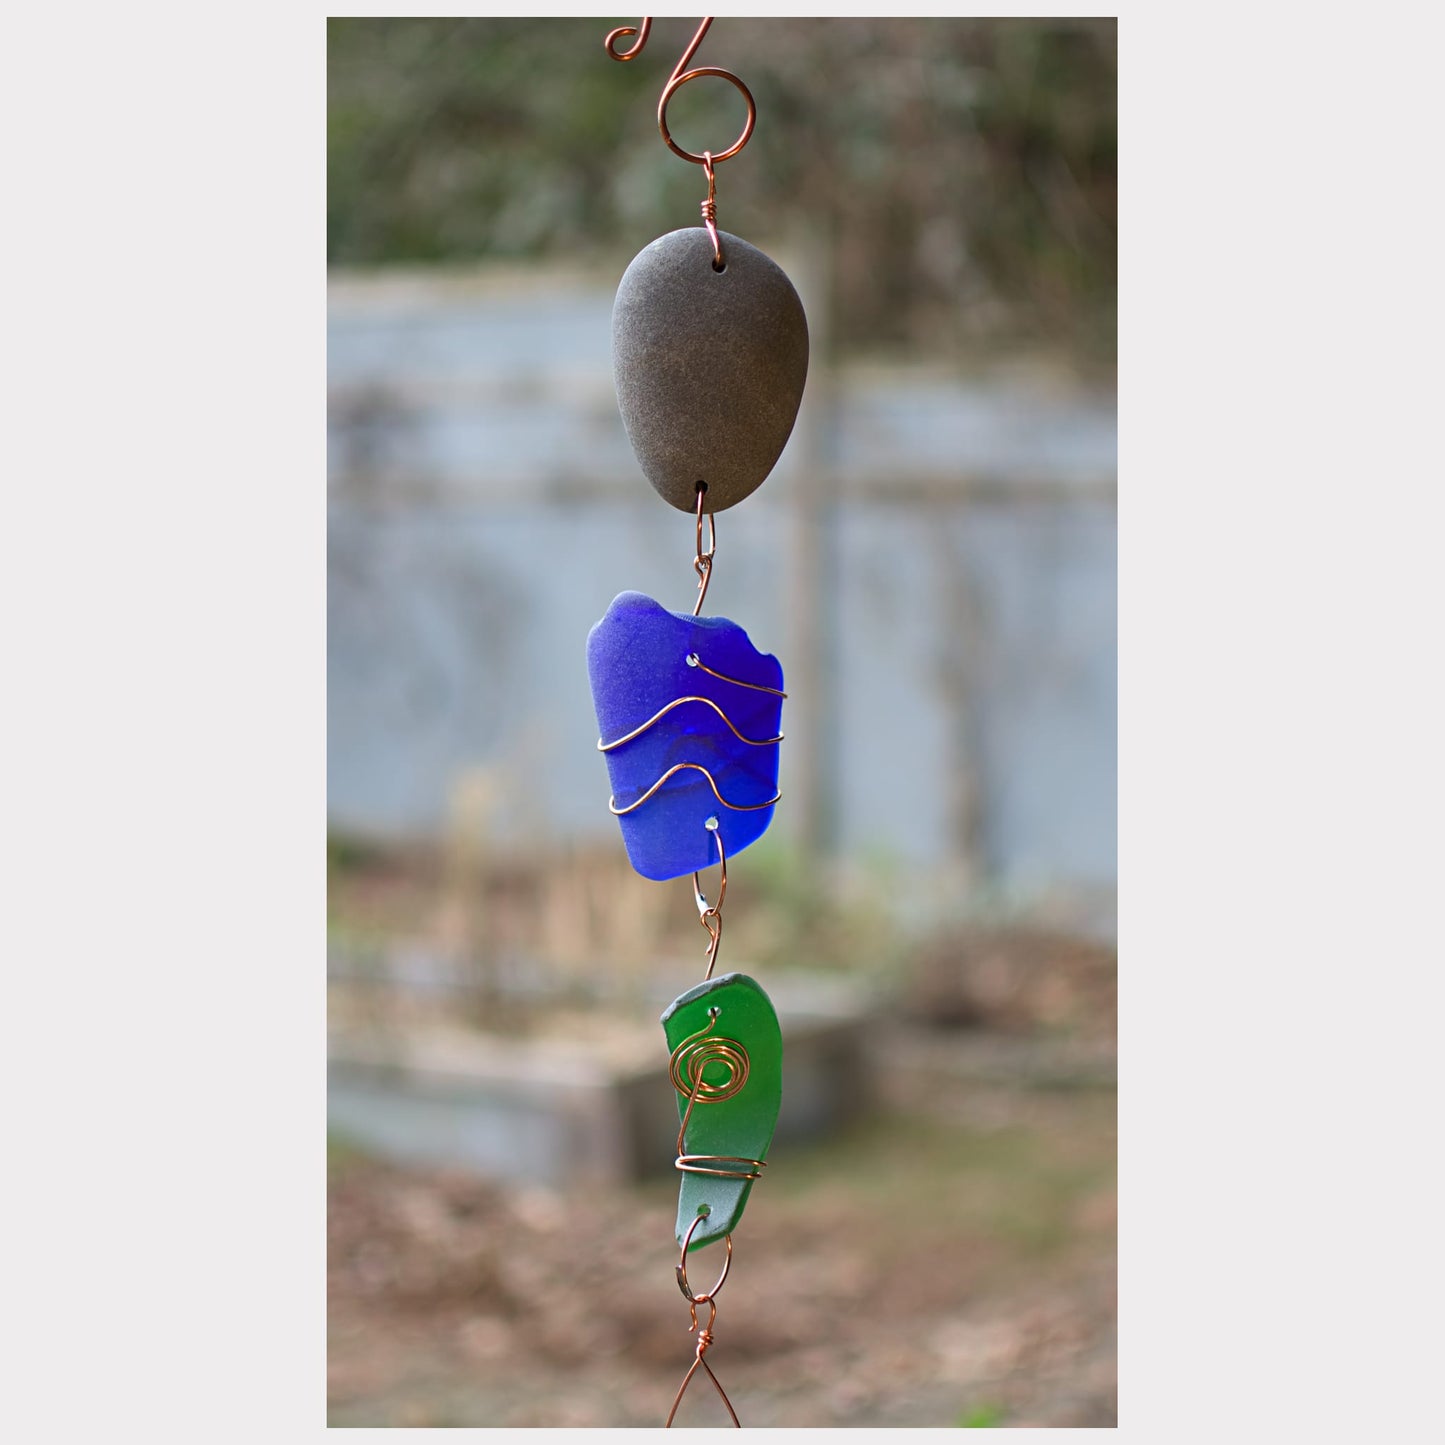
(741, 1125)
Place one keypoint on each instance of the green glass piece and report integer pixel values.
(724, 1018)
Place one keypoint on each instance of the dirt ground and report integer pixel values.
(948, 1261)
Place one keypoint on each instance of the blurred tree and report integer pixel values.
(962, 170)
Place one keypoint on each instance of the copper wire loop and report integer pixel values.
(707, 1296)
(676, 84)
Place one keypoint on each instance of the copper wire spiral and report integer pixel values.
(693, 1055)
(686, 1069)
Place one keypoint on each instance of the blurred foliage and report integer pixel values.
(981, 1417)
(961, 172)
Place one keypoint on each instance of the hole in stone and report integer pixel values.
(719, 267)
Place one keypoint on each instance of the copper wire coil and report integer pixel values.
(697, 1164)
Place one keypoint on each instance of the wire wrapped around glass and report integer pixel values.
(710, 357)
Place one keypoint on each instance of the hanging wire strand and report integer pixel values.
(709, 212)
(702, 561)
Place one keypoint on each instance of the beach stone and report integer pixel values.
(709, 365)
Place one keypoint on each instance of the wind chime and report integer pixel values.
(710, 355)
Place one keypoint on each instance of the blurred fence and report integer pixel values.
(933, 561)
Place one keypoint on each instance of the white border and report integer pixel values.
(1281, 782)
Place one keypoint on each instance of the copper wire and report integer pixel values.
(709, 212)
(710, 914)
(704, 1334)
(693, 660)
(712, 922)
(711, 781)
(745, 1168)
(678, 702)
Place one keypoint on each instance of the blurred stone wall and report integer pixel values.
(933, 561)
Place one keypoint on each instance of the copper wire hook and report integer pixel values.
(703, 906)
(616, 35)
(680, 77)
(710, 914)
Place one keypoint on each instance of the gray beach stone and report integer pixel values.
(709, 366)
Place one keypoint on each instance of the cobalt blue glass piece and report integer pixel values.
(688, 713)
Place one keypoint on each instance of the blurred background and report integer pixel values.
(933, 562)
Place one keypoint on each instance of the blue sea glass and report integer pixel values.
(642, 660)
